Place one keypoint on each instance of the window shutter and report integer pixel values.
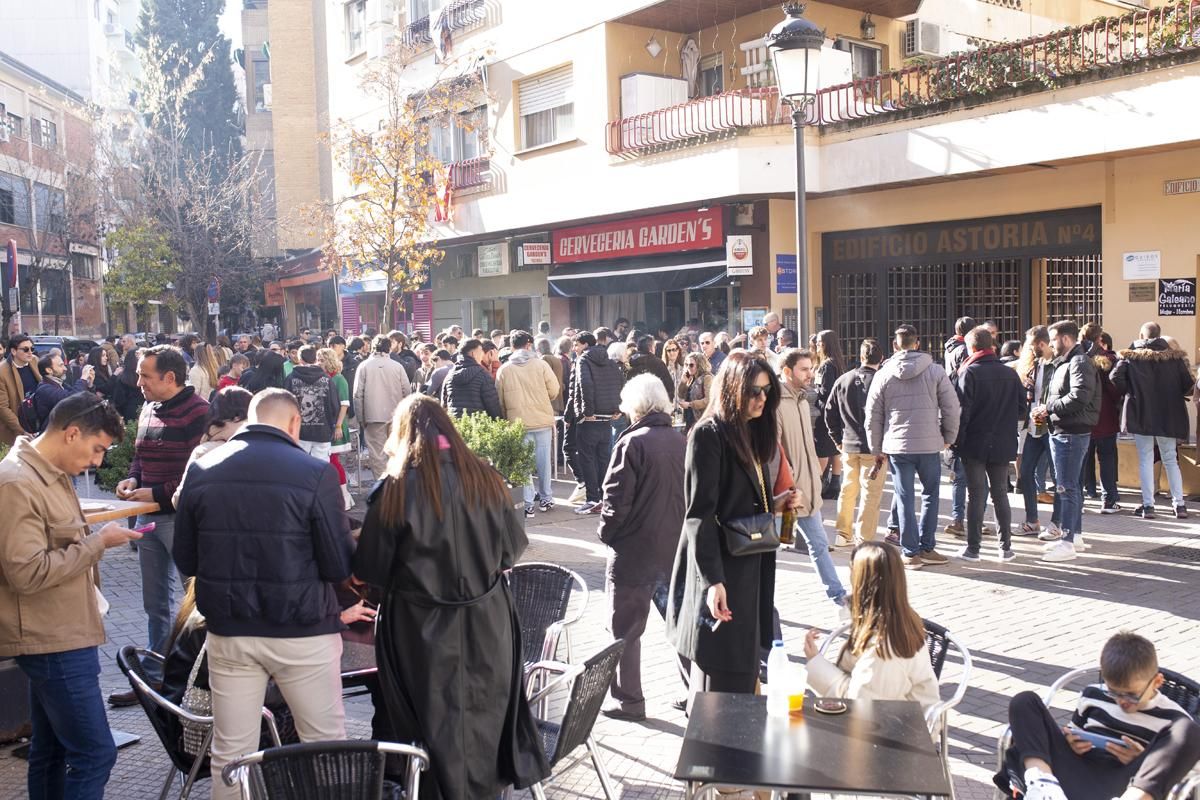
(549, 90)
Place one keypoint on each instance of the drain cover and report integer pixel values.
(1177, 553)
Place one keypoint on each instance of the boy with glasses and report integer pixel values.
(1159, 742)
(19, 376)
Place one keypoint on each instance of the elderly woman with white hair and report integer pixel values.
(641, 516)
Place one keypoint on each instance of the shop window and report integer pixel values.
(356, 22)
(989, 290)
(712, 75)
(547, 108)
(917, 296)
(261, 68)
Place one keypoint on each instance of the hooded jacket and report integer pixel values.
(846, 410)
(527, 387)
(1156, 381)
(596, 385)
(911, 408)
(319, 404)
(1073, 399)
(469, 388)
(993, 403)
(1110, 396)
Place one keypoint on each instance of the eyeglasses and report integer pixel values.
(1133, 699)
(25, 349)
(757, 391)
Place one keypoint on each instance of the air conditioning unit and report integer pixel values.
(922, 38)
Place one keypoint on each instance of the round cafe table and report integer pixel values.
(97, 511)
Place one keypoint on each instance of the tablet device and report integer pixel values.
(1098, 740)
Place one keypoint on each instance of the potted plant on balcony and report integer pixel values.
(502, 444)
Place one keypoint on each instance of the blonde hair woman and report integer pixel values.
(203, 374)
(694, 388)
(327, 359)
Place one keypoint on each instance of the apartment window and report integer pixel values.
(421, 9)
(112, 18)
(356, 23)
(260, 65)
(457, 139)
(547, 108)
(712, 75)
(51, 208)
(43, 128)
(16, 125)
(14, 200)
(467, 265)
(865, 61)
(84, 267)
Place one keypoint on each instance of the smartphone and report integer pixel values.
(149, 526)
(1098, 740)
(827, 706)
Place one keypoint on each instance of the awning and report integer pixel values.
(657, 273)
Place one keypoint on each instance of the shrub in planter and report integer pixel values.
(501, 443)
(116, 461)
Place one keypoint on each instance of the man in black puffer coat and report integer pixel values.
(644, 361)
(469, 387)
(595, 402)
(261, 527)
(1156, 383)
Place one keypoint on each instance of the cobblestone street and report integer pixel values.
(1025, 623)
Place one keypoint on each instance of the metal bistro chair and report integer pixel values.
(542, 593)
(347, 770)
(589, 683)
(939, 641)
(1177, 687)
(183, 764)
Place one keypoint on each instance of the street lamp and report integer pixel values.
(796, 53)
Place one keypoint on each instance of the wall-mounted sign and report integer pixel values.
(1142, 266)
(214, 309)
(1184, 186)
(493, 259)
(1144, 292)
(83, 249)
(739, 255)
(273, 294)
(536, 252)
(752, 317)
(785, 274)
(1177, 297)
(661, 233)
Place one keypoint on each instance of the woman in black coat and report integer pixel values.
(735, 441)
(126, 396)
(439, 533)
(830, 366)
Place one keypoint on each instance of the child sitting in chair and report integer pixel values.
(1156, 742)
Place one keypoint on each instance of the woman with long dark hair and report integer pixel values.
(266, 374)
(439, 533)
(102, 380)
(830, 364)
(720, 608)
(126, 395)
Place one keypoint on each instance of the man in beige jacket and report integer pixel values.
(18, 377)
(796, 436)
(527, 388)
(49, 605)
(379, 385)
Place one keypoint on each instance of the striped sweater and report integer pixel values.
(1098, 713)
(167, 434)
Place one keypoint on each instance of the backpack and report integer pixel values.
(27, 414)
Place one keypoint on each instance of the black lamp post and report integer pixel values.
(795, 47)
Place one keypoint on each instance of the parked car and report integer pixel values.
(71, 347)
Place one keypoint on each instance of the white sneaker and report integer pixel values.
(1040, 786)
(1052, 533)
(1060, 551)
(1079, 543)
(347, 498)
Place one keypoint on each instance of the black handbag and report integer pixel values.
(755, 534)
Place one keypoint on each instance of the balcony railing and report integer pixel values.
(704, 118)
(461, 15)
(470, 173)
(1040, 62)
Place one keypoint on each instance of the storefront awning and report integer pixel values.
(658, 273)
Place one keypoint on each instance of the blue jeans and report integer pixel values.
(71, 752)
(813, 530)
(1067, 451)
(1170, 461)
(159, 582)
(958, 472)
(927, 467)
(1032, 456)
(541, 439)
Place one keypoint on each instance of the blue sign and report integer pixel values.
(785, 274)
(214, 290)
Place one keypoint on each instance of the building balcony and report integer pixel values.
(696, 121)
(472, 173)
(459, 16)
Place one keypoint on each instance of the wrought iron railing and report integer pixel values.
(469, 173)
(1038, 62)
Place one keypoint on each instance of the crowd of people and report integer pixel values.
(699, 454)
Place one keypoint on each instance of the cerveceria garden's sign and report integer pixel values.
(1053, 233)
(662, 233)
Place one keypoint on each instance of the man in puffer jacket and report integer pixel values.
(319, 405)
(527, 388)
(1156, 381)
(595, 400)
(469, 387)
(912, 415)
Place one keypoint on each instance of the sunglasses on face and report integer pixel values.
(25, 349)
(757, 391)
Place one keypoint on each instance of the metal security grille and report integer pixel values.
(990, 290)
(855, 302)
(917, 297)
(1069, 288)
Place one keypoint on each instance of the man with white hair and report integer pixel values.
(640, 519)
(773, 324)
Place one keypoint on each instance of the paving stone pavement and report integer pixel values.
(1025, 623)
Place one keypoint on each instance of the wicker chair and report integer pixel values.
(347, 770)
(129, 659)
(589, 683)
(542, 593)
(1183, 690)
(939, 641)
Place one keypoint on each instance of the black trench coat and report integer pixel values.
(448, 642)
(716, 485)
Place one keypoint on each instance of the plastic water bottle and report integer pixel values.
(778, 669)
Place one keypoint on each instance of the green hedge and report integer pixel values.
(500, 442)
(116, 461)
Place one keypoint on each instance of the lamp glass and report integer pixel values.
(797, 71)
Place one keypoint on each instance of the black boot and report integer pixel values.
(833, 488)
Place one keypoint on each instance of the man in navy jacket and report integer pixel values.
(260, 525)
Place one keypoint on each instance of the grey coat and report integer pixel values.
(911, 408)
